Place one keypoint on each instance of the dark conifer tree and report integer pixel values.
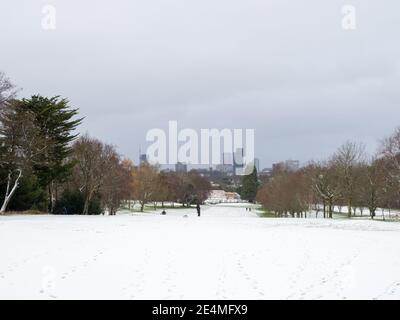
(55, 121)
(249, 188)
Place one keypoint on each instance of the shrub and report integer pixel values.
(72, 202)
(29, 196)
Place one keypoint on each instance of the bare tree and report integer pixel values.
(116, 184)
(127, 168)
(7, 90)
(174, 186)
(372, 185)
(94, 160)
(326, 187)
(145, 183)
(390, 150)
(287, 194)
(201, 187)
(346, 160)
(20, 146)
(164, 190)
(6, 94)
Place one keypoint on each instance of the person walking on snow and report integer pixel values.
(198, 209)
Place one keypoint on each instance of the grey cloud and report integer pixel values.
(285, 68)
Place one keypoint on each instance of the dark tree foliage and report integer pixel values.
(54, 119)
(73, 202)
(35, 138)
(30, 195)
(249, 188)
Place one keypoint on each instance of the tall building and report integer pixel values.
(266, 172)
(257, 164)
(238, 161)
(292, 165)
(180, 167)
(143, 158)
(289, 165)
(227, 158)
(278, 166)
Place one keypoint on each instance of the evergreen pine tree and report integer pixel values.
(249, 188)
(54, 119)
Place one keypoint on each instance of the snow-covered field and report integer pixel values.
(227, 253)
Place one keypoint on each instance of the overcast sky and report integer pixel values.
(284, 68)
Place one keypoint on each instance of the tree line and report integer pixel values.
(347, 180)
(46, 166)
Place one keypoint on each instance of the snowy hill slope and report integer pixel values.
(226, 253)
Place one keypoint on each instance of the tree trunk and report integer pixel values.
(52, 196)
(372, 213)
(86, 206)
(9, 194)
(349, 208)
(87, 203)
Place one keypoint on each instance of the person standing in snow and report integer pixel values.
(198, 209)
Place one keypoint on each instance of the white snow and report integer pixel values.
(226, 253)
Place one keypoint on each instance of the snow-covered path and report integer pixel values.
(227, 253)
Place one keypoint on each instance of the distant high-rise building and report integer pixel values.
(289, 165)
(238, 161)
(257, 164)
(227, 158)
(181, 167)
(143, 158)
(266, 172)
(166, 171)
(278, 166)
(292, 165)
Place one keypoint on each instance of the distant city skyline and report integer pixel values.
(289, 164)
